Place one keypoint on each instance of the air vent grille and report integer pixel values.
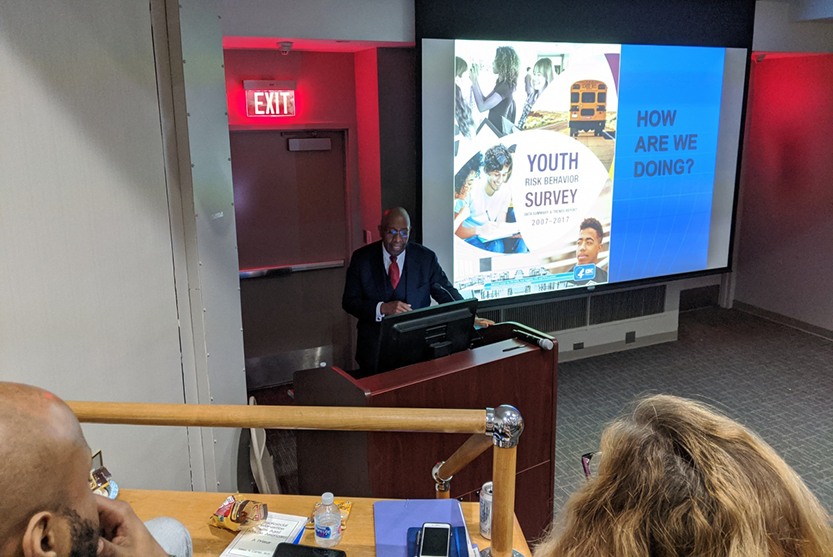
(627, 304)
(572, 313)
(551, 316)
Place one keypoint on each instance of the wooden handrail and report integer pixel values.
(282, 417)
(468, 451)
(333, 419)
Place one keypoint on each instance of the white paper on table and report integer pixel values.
(261, 540)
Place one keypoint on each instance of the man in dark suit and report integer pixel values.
(389, 277)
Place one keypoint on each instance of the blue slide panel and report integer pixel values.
(666, 144)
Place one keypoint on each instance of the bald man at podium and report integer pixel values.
(392, 276)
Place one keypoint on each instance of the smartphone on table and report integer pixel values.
(434, 540)
(292, 550)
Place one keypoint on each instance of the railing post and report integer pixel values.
(442, 485)
(503, 501)
(468, 451)
(506, 427)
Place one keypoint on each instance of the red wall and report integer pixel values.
(325, 97)
(785, 245)
(367, 109)
(325, 86)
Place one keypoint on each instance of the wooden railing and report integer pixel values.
(340, 419)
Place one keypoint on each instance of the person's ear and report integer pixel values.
(42, 536)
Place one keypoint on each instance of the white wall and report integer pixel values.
(88, 308)
(811, 9)
(117, 237)
(210, 234)
(780, 28)
(356, 20)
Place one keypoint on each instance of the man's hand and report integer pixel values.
(482, 323)
(394, 307)
(124, 534)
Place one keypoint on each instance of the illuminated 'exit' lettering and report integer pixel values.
(270, 103)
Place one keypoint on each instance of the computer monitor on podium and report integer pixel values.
(425, 334)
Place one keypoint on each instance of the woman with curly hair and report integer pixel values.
(499, 102)
(678, 478)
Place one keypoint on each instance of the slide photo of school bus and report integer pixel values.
(588, 107)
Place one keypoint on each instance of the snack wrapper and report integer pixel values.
(102, 483)
(237, 513)
(344, 507)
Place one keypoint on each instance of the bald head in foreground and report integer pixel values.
(47, 506)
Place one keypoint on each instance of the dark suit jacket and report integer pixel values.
(367, 284)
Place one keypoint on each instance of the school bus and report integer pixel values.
(588, 107)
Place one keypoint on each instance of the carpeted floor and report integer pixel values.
(776, 380)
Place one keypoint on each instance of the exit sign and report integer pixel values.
(270, 98)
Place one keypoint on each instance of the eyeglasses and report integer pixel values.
(590, 464)
(402, 233)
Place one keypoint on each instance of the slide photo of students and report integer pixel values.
(515, 227)
(463, 101)
(542, 75)
(500, 101)
(487, 226)
(570, 252)
(569, 88)
(613, 145)
(587, 269)
(552, 184)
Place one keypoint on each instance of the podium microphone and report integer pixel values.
(544, 343)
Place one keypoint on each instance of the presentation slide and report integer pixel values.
(583, 164)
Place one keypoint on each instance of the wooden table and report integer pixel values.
(193, 509)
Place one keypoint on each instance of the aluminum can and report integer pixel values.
(486, 510)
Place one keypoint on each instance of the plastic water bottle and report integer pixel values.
(327, 522)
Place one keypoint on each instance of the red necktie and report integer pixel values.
(393, 272)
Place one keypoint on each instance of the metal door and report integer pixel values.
(292, 236)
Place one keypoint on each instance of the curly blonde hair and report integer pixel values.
(679, 478)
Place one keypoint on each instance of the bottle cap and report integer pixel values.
(327, 499)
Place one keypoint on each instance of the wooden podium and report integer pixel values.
(398, 465)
